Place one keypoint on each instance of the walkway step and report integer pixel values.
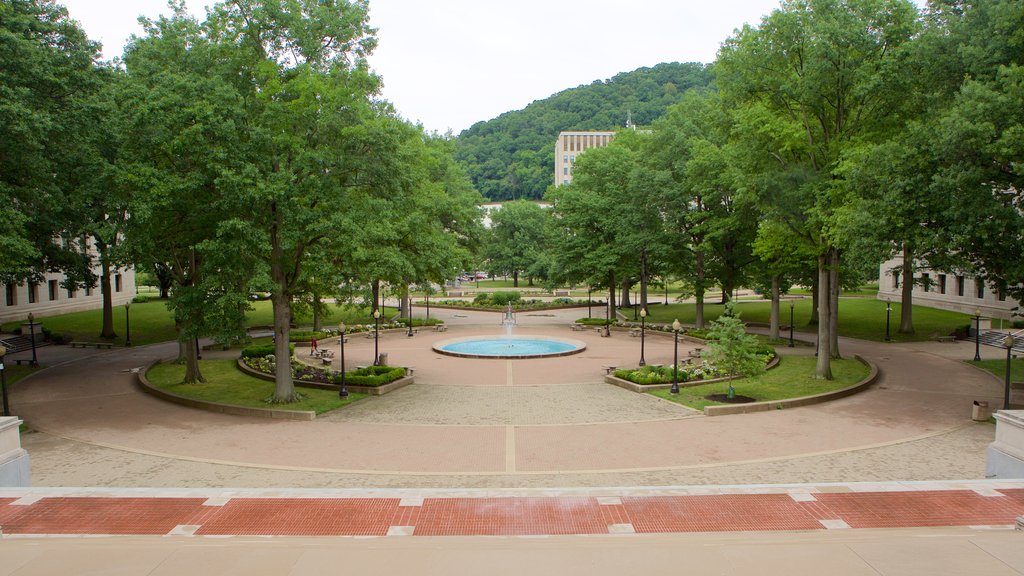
(384, 512)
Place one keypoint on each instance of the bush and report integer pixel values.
(594, 322)
(261, 350)
(420, 321)
(482, 298)
(305, 335)
(372, 376)
(505, 298)
(143, 298)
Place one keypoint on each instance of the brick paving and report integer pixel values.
(323, 513)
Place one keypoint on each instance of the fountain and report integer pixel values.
(509, 346)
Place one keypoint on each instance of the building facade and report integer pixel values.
(571, 144)
(947, 291)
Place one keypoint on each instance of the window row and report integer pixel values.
(940, 285)
(52, 291)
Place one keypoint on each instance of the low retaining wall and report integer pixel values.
(642, 388)
(371, 390)
(722, 410)
(278, 413)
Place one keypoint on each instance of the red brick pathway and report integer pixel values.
(758, 509)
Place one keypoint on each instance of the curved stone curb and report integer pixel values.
(795, 402)
(643, 388)
(277, 413)
(371, 390)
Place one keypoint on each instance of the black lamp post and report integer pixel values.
(643, 329)
(589, 314)
(408, 302)
(888, 313)
(675, 359)
(32, 335)
(607, 318)
(127, 325)
(3, 379)
(791, 306)
(343, 392)
(376, 336)
(427, 297)
(977, 335)
(1008, 342)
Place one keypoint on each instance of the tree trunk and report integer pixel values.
(823, 370)
(815, 283)
(907, 297)
(188, 355)
(833, 292)
(515, 278)
(773, 330)
(625, 301)
(611, 297)
(284, 386)
(107, 331)
(375, 290)
(643, 279)
(698, 289)
(316, 312)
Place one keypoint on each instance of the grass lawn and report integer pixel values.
(226, 384)
(792, 378)
(862, 318)
(998, 367)
(151, 321)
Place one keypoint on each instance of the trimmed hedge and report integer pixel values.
(594, 321)
(305, 335)
(373, 375)
(261, 350)
(416, 322)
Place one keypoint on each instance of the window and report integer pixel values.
(117, 283)
(565, 180)
(572, 158)
(33, 292)
(565, 159)
(88, 290)
(565, 171)
(71, 293)
(11, 294)
(51, 287)
(926, 282)
(896, 279)
(959, 285)
(980, 286)
(1002, 294)
(942, 283)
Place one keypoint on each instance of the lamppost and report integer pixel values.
(127, 326)
(32, 335)
(408, 302)
(643, 329)
(1008, 343)
(376, 336)
(675, 360)
(3, 379)
(343, 392)
(427, 297)
(888, 313)
(792, 304)
(977, 335)
(589, 314)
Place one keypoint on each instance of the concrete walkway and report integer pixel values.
(508, 423)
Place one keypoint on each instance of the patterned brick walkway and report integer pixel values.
(33, 512)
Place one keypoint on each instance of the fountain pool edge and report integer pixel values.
(578, 346)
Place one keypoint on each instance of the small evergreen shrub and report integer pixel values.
(372, 376)
(505, 298)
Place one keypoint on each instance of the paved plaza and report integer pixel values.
(542, 439)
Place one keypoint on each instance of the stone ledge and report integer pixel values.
(277, 413)
(871, 378)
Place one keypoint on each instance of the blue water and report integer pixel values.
(508, 347)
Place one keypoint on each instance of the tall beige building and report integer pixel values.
(571, 144)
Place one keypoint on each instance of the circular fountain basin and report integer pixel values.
(514, 347)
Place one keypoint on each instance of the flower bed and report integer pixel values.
(371, 376)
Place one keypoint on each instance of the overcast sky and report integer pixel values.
(451, 63)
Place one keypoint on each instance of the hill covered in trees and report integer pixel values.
(511, 156)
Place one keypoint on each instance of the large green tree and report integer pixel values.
(516, 240)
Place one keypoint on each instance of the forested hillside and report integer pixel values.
(511, 156)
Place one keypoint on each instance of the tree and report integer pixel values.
(731, 350)
(516, 241)
(816, 80)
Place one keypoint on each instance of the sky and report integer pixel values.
(448, 64)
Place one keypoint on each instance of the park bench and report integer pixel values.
(609, 369)
(950, 339)
(562, 293)
(326, 360)
(576, 327)
(96, 345)
(634, 332)
(440, 328)
(371, 334)
(695, 353)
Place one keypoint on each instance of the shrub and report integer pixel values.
(420, 321)
(505, 298)
(305, 335)
(594, 321)
(261, 350)
(482, 298)
(372, 376)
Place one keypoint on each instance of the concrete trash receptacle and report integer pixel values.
(383, 359)
(980, 412)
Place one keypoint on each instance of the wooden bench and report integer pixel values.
(96, 345)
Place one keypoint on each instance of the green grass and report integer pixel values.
(792, 378)
(998, 368)
(862, 318)
(151, 322)
(229, 385)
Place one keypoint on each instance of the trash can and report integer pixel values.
(980, 413)
(382, 360)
